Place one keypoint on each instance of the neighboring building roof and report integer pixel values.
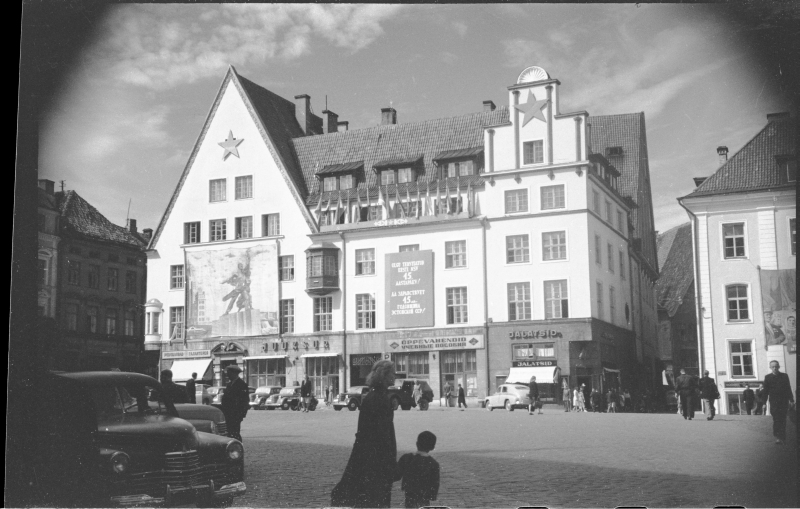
(46, 200)
(80, 218)
(676, 267)
(755, 166)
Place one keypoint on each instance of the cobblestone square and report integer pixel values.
(558, 459)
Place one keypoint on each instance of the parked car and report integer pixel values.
(508, 396)
(401, 395)
(426, 398)
(216, 394)
(258, 399)
(288, 398)
(101, 442)
(203, 417)
(350, 398)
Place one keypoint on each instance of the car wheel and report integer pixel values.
(285, 405)
(509, 406)
(423, 405)
(488, 406)
(395, 403)
(352, 405)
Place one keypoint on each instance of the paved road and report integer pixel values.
(558, 459)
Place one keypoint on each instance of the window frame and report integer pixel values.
(367, 266)
(414, 247)
(596, 203)
(173, 312)
(458, 168)
(286, 318)
(450, 317)
(285, 267)
(526, 251)
(542, 189)
(411, 174)
(112, 279)
(792, 235)
(527, 204)
(612, 304)
(546, 300)
(73, 272)
(239, 228)
(93, 276)
(365, 317)
(527, 304)
(177, 282)
(753, 358)
(565, 245)
(723, 255)
(131, 282)
(599, 300)
(271, 224)
(387, 172)
(224, 230)
(224, 190)
(598, 250)
(249, 188)
(748, 301)
(187, 235)
(621, 264)
(610, 256)
(111, 319)
(324, 317)
(532, 143)
(449, 258)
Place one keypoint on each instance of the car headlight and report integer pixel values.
(213, 427)
(119, 462)
(234, 450)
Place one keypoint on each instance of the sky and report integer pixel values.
(124, 123)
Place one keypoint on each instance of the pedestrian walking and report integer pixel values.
(710, 394)
(191, 389)
(749, 398)
(760, 401)
(575, 407)
(447, 394)
(581, 398)
(305, 393)
(596, 400)
(416, 395)
(686, 386)
(327, 393)
(461, 397)
(781, 400)
(172, 391)
(419, 472)
(626, 396)
(235, 402)
(371, 469)
(566, 396)
(533, 395)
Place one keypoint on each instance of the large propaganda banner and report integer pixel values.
(232, 292)
(409, 289)
(779, 298)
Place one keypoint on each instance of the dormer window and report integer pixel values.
(788, 167)
(460, 162)
(613, 151)
(340, 177)
(340, 183)
(405, 175)
(387, 177)
(460, 169)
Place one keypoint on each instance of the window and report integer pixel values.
(330, 184)
(387, 177)
(600, 310)
(261, 372)
(91, 318)
(191, 233)
(620, 222)
(621, 264)
(74, 272)
(176, 277)
(790, 168)
(533, 152)
(244, 227)
(612, 304)
(94, 276)
(271, 225)
(738, 309)
(129, 323)
(112, 257)
(554, 246)
(733, 239)
(533, 351)
(556, 301)
(405, 175)
(216, 190)
(287, 315)
(460, 168)
(457, 305)
(793, 235)
(42, 223)
(409, 247)
(741, 359)
(598, 257)
(613, 151)
(517, 249)
(596, 201)
(610, 258)
(516, 201)
(130, 281)
(412, 364)
(113, 279)
(373, 213)
(553, 197)
(346, 182)
(455, 254)
(365, 262)
(286, 268)
(176, 322)
(519, 301)
(217, 230)
(244, 187)
(111, 321)
(72, 317)
(323, 314)
(365, 311)
(319, 264)
(608, 211)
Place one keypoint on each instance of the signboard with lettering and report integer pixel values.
(754, 384)
(527, 334)
(187, 354)
(409, 289)
(532, 364)
(465, 342)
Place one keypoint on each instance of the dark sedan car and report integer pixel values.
(104, 444)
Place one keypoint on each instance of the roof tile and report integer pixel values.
(81, 218)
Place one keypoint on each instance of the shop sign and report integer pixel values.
(409, 289)
(364, 360)
(186, 354)
(466, 342)
(740, 385)
(532, 364)
(285, 346)
(526, 334)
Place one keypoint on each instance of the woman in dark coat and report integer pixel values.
(369, 474)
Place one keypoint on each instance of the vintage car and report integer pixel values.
(426, 396)
(351, 398)
(258, 399)
(508, 396)
(216, 395)
(400, 396)
(107, 445)
(288, 398)
(203, 417)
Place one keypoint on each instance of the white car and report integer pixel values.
(508, 396)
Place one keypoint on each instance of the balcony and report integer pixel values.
(322, 263)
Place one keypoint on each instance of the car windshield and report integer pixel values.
(141, 399)
(112, 400)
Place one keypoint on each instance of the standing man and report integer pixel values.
(533, 395)
(305, 393)
(612, 401)
(566, 396)
(686, 386)
(709, 393)
(172, 391)
(447, 394)
(779, 391)
(749, 398)
(235, 402)
(190, 389)
(462, 400)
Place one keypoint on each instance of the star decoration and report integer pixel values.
(532, 109)
(230, 146)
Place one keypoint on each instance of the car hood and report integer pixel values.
(119, 430)
(199, 412)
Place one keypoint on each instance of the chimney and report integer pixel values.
(488, 106)
(132, 225)
(344, 123)
(147, 233)
(772, 117)
(302, 111)
(698, 181)
(330, 122)
(722, 152)
(47, 185)
(388, 116)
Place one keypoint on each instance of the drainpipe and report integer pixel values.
(549, 89)
(343, 385)
(516, 129)
(486, 310)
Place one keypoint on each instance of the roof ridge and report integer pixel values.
(731, 158)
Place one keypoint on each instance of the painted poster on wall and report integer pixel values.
(409, 289)
(232, 292)
(779, 299)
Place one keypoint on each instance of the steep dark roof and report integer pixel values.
(46, 200)
(676, 267)
(80, 218)
(755, 166)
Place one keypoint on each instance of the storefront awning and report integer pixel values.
(257, 357)
(324, 354)
(543, 374)
(182, 369)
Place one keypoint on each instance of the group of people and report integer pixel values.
(613, 400)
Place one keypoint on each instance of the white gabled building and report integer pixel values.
(508, 242)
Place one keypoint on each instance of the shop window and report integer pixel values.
(191, 233)
(261, 372)
(736, 405)
(323, 372)
(176, 280)
(519, 301)
(516, 201)
(738, 307)
(244, 187)
(286, 264)
(323, 314)
(533, 351)
(733, 240)
(554, 246)
(287, 315)
(365, 311)
(741, 359)
(460, 367)
(412, 365)
(365, 262)
(556, 299)
(457, 305)
(517, 249)
(455, 254)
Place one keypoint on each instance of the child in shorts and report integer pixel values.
(419, 472)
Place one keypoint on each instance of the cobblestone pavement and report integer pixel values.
(558, 459)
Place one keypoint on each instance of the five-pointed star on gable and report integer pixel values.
(532, 109)
(230, 146)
